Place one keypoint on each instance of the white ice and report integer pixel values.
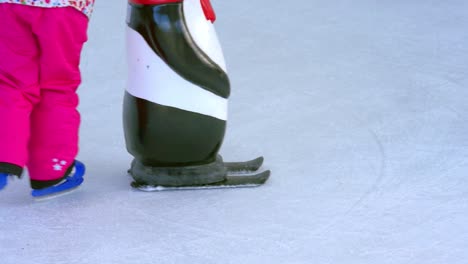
(359, 107)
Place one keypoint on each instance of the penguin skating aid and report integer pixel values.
(175, 104)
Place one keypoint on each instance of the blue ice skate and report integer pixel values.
(69, 183)
(3, 180)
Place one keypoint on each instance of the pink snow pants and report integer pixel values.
(40, 52)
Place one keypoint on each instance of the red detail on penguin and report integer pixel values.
(208, 10)
(154, 2)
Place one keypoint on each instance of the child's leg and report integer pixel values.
(61, 33)
(19, 89)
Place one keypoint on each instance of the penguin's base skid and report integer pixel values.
(230, 181)
(218, 174)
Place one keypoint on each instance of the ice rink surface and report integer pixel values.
(359, 107)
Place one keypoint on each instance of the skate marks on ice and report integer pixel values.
(372, 190)
(360, 152)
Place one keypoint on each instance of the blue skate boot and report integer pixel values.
(3, 180)
(9, 170)
(70, 182)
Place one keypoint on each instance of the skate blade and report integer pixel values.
(150, 188)
(53, 196)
